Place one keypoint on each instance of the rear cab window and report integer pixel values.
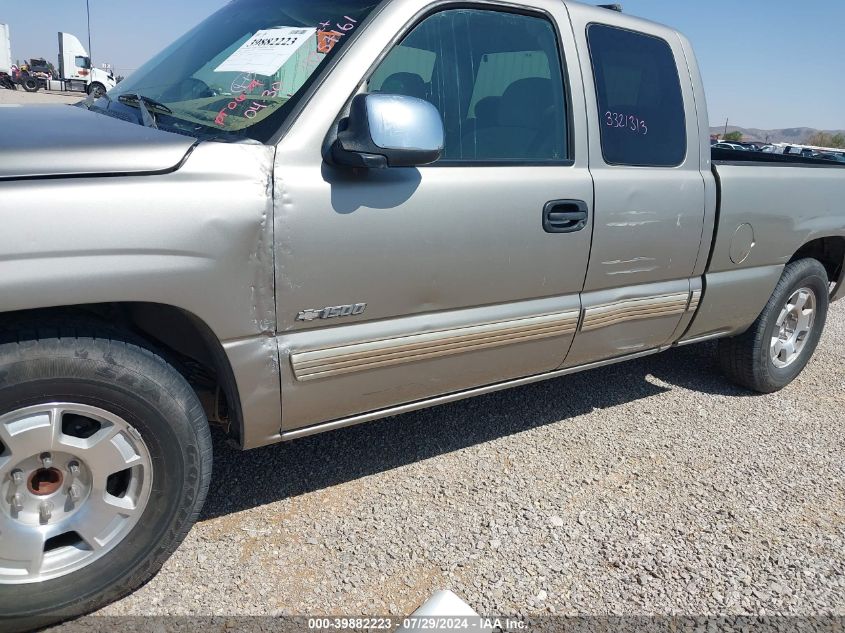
(641, 106)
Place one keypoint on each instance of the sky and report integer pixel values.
(766, 63)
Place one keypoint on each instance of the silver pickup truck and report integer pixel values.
(305, 215)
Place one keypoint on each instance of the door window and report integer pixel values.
(496, 79)
(641, 108)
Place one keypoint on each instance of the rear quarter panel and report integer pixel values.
(786, 206)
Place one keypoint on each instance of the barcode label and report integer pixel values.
(267, 51)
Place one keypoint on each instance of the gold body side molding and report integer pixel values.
(634, 309)
(311, 365)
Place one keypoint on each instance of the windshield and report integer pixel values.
(239, 73)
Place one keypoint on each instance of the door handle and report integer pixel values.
(565, 216)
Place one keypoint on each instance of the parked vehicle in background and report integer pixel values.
(32, 75)
(733, 146)
(6, 59)
(306, 215)
(839, 158)
(35, 74)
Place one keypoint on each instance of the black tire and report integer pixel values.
(746, 358)
(99, 369)
(96, 90)
(30, 84)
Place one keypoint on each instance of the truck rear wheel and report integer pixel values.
(780, 343)
(30, 84)
(105, 460)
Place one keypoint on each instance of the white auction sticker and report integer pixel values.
(267, 51)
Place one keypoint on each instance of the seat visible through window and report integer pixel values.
(521, 130)
(495, 77)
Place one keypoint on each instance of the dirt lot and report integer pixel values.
(21, 97)
(653, 487)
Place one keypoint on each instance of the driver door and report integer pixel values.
(399, 285)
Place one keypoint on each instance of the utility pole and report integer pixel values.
(726, 126)
(88, 10)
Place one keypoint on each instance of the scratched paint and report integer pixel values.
(632, 271)
(628, 224)
(629, 261)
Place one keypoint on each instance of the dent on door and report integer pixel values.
(631, 320)
(639, 289)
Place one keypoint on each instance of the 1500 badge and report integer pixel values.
(332, 312)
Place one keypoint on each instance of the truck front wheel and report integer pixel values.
(30, 84)
(780, 343)
(96, 90)
(105, 460)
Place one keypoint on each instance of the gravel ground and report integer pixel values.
(21, 97)
(653, 487)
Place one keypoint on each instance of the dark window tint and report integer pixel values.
(495, 77)
(641, 108)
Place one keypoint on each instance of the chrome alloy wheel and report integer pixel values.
(793, 328)
(74, 480)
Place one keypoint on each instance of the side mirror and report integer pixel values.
(389, 131)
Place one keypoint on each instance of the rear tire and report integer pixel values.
(158, 415)
(780, 343)
(30, 84)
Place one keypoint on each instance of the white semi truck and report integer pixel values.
(76, 71)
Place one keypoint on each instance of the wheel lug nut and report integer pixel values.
(46, 460)
(17, 502)
(17, 477)
(45, 511)
(72, 490)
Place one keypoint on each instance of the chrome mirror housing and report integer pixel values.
(385, 130)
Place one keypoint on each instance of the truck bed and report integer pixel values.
(739, 157)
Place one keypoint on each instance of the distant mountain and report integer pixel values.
(797, 135)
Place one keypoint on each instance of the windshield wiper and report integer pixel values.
(145, 104)
(135, 101)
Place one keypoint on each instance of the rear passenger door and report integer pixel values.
(649, 192)
(469, 275)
